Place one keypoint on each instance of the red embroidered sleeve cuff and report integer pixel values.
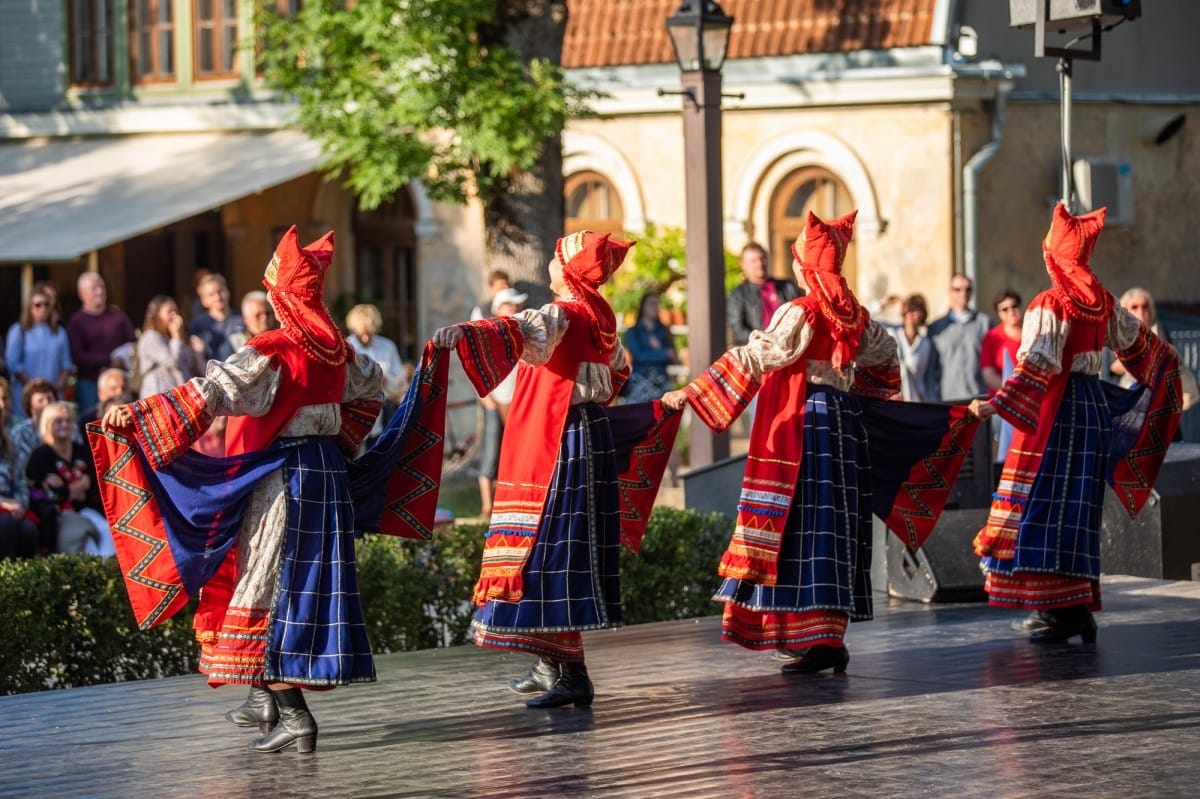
(719, 396)
(1020, 399)
(169, 423)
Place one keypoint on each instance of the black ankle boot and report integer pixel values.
(296, 725)
(571, 687)
(817, 659)
(257, 711)
(1067, 623)
(540, 678)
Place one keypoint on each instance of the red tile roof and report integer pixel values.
(604, 33)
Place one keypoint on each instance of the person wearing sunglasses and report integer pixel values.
(958, 337)
(37, 346)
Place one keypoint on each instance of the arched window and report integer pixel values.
(810, 189)
(592, 204)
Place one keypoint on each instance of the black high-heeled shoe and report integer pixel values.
(817, 659)
(296, 725)
(257, 711)
(1066, 623)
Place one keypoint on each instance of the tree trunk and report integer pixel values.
(524, 216)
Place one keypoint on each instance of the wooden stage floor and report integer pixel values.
(939, 701)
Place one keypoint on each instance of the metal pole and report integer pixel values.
(705, 244)
(1064, 82)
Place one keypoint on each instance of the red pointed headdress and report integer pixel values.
(295, 281)
(820, 250)
(588, 261)
(1067, 250)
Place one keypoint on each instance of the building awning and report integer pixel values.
(62, 198)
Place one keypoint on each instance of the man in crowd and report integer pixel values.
(94, 332)
(752, 303)
(958, 338)
(218, 322)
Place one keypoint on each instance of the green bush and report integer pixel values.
(675, 574)
(68, 622)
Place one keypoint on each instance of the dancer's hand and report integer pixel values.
(982, 408)
(675, 400)
(116, 417)
(447, 338)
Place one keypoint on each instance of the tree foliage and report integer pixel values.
(400, 90)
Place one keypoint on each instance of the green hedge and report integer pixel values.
(68, 622)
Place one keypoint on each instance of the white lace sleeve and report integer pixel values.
(1123, 329)
(878, 347)
(1043, 336)
(364, 379)
(541, 329)
(783, 342)
(244, 384)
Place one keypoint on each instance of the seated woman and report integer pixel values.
(62, 486)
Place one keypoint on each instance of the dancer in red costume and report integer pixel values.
(827, 449)
(576, 478)
(1041, 544)
(268, 532)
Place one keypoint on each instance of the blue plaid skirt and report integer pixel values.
(1060, 529)
(825, 555)
(571, 579)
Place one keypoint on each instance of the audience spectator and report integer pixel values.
(25, 436)
(94, 331)
(37, 345)
(958, 338)
(506, 302)
(498, 280)
(1140, 303)
(62, 486)
(920, 368)
(257, 317)
(18, 533)
(165, 356)
(997, 360)
(364, 321)
(754, 301)
(218, 322)
(651, 348)
(113, 382)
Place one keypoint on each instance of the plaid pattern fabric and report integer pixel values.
(1048, 521)
(570, 579)
(825, 553)
(317, 633)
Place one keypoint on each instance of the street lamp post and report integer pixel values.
(699, 31)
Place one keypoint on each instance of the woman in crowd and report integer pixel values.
(651, 347)
(165, 355)
(920, 369)
(1040, 547)
(62, 485)
(18, 533)
(37, 345)
(998, 359)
